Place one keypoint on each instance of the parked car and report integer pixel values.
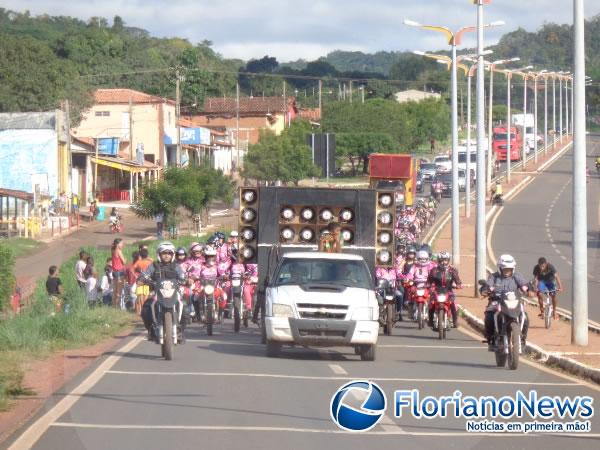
(443, 163)
(428, 171)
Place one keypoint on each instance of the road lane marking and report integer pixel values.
(539, 366)
(337, 369)
(318, 378)
(39, 427)
(391, 432)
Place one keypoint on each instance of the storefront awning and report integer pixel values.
(122, 164)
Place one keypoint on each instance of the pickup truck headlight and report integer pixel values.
(281, 310)
(364, 314)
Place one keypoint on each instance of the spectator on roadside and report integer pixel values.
(89, 267)
(79, 268)
(91, 288)
(132, 275)
(54, 287)
(159, 218)
(15, 301)
(118, 270)
(140, 266)
(106, 286)
(75, 203)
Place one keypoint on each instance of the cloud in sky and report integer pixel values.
(309, 28)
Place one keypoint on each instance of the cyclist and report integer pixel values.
(546, 279)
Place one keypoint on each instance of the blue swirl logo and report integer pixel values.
(366, 416)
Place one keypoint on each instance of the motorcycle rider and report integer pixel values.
(164, 268)
(233, 242)
(496, 191)
(181, 258)
(445, 276)
(210, 272)
(506, 280)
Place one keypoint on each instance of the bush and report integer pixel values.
(7, 277)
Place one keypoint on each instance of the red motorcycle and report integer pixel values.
(419, 296)
(441, 301)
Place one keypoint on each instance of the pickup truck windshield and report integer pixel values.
(323, 271)
(502, 136)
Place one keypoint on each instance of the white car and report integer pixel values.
(443, 163)
(322, 299)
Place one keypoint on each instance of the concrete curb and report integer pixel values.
(541, 356)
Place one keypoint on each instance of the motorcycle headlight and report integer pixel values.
(512, 303)
(209, 289)
(281, 310)
(441, 298)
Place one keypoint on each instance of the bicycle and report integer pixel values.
(548, 308)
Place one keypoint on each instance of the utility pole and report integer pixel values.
(560, 107)
(284, 103)
(350, 91)
(362, 94)
(130, 128)
(69, 152)
(545, 114)
(177, 113)
(237, 122)
(508, 133)
(320, 101)
(553, 109)
(524, 140)
(535, 119)
(488, 176)
(579, 327)
(480, 234)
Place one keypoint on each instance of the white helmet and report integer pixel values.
(443, 255)
(165, 247)
(506, 262)
(234, 233)
(422, 257)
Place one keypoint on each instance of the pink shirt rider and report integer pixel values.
(223, 253)
(195, 266)
(419, 273)
(386, 274)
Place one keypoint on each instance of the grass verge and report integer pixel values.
(21, 246)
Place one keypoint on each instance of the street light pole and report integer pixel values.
(524, 140)
(567, 105)
(455, 188)
(553, 109)
(508, 133)
(480, 234)
(468, 155)
(545, 114)
(560, 107)
(579, 330)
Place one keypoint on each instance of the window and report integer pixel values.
(102, 113)
(315, 271)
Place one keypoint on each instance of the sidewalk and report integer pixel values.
(554, 344)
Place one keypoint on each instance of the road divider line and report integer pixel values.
(391, 432)
(39, 427)
(318, 378)
(337, 369)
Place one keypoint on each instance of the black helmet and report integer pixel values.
(411, 249)
(181, 251)
(220, 235)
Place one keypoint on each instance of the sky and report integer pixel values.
(308, 29)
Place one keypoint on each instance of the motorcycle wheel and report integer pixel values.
(420, 316)
(236, 316)
(441, 325)
(547, 315)
(389, 323)
(168, 336)
(513, 342)
(209, 319)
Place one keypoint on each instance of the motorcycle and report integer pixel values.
(441, 311)
(509, 318)
(167, 309)
(437, 192)
(115, 224)
(498, 200)
(387, 305)
(419, 295)
(235, 304)
(205, 304)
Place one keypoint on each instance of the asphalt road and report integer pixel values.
(223, 393)
(538, 222)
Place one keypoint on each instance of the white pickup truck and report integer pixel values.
(322, 299)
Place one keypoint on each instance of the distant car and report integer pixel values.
(462, 179)
(443, 163)
(446, 180)
(428, 171)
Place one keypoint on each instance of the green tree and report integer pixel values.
(191, 189)
(7, 278)
(358, 147)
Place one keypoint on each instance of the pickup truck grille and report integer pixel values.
(320, 311)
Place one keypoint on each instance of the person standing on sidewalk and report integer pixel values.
(118, 267)
(79, 268)
(159, 219)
